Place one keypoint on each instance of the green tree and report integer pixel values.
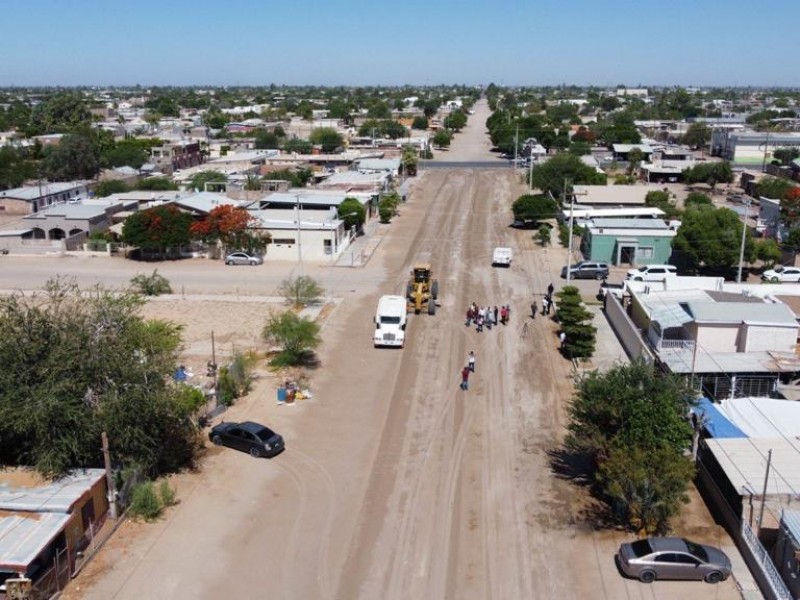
(409, 161)
(297, 145)
(328, 138)
(792, 240)
(786, 155)
(353, 213)
(768, 252)
(551, 175)
(266, 140)
(127, 153)
(75, 157)
(420, 123)
(711, 237)
(697, 199)
(159, 229)
(774, 187)
(301, 291)
(629, 406)
(296, 336)
(697, 135)
(575, 322)
(662, 200)
(62, 112)
(711, 173)
(442, 138)
(110, 186)
(156, 184)
(635, 158)
(647, 487)
(199, 180)
(530, 208)
(77, 362)
(456, 120)
(543, 235)
(15, 167)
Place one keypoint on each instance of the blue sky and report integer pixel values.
(382, 42)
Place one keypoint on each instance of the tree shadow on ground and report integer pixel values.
(597, 512)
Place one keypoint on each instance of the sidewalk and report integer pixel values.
(362, 249)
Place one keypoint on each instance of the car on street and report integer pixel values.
(780, 274)
(586, 269)
(243, 258)
(253, 438)
(652, 273)
(672, 558)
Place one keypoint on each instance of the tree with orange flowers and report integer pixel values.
(231, 226)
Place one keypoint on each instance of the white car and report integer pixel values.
(780, 274)
(652, 273)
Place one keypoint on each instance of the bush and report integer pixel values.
(543, 235)
(166, 493)
(151, 285)
(301, 291)
(297, 337)
(145, 503)
(236, 379)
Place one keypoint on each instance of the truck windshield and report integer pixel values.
(390, 320)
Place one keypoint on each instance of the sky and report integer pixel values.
(398, 42)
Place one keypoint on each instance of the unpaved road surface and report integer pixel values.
(396, 484)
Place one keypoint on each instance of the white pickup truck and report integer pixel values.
(502, 256)
(390, 321)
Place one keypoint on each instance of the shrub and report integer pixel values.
(301, 291)
(145, 503)
(151, 285)
(543, 234)
(166, 493)
(297, 337)
(236, 379)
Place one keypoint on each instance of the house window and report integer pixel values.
(278, 241)
(644, 252)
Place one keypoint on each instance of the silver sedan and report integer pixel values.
(243, 258)
(672, 558)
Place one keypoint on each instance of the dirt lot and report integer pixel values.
(396, 484)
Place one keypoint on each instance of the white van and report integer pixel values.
(390, 321)
(652, 273)
(502, 256)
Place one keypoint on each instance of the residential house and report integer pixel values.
(43, 524)
(750, 147)
(33, 198)
(631, 241)
(176, 155)
(611, 196)
(303, 235)
(70, 220)
(621, 151)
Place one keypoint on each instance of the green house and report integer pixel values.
(628, 241)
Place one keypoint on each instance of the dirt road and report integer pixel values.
(397, 484)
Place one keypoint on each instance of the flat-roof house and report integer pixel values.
(46, 523)
(69, 220)
(313, 235)
(611, 196)
(33, 198)
(633, 241)
(621, 151)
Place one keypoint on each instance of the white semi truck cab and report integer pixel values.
(390, 321)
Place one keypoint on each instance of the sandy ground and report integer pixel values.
(395, 483)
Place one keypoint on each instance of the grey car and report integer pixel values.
(672, 558)
(243, 258)
(586, 269)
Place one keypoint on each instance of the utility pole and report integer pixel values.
(571, 214)
(112, 500)
(530, 172)
(299, 246)
(744, 232)
(764, 493)
(516, 144)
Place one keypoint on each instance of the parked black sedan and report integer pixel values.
(247, 437)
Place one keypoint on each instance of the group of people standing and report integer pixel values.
(547, 303)
(488, 316)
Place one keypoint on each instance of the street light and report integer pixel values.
(299, 245)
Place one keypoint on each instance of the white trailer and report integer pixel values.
(390, 321)
(502, 256)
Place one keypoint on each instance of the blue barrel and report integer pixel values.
(281, 394)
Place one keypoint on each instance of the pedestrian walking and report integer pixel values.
(551, 305)
(470, 316)
(550, 289)
(503, 315)
(465, 378)
(496, 311)
(533, 309)
(489, 319)
(479, 322)
(508, 313)
(545, 303)
(471, 361)
(562, 338)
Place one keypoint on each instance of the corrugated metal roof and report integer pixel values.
(791, 522)
(23, 537)
(738, 312)
(670, 315)
(716, 423)
(55, 497)
(744, 461)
